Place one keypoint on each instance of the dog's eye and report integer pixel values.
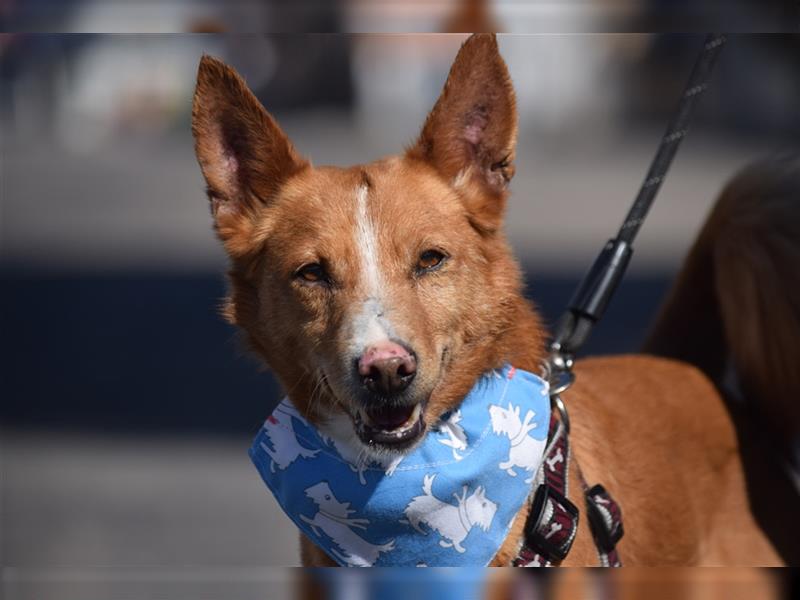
(312, 273)
(430, 260)
(327, 497)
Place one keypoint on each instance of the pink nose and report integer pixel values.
(387, 368)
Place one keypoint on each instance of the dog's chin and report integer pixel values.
(390, 429)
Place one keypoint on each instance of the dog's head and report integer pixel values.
(380, 291)
(323, 497)
(505, 420)
(480, 510)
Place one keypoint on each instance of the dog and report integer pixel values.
(333, 518)
(381, 292)
(523, 450)
(444, 518)
(456, 439)
(286, 448)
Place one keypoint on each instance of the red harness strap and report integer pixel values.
(553, 520)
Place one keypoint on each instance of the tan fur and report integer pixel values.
(653, 431)
(741, 285)
(735, 314)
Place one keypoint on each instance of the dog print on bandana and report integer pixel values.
(449, 502)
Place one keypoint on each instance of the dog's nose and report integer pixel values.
(387, 368)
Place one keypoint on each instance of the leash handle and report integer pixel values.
(594, 293)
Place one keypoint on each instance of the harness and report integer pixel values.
(552, 522)
(553, 519)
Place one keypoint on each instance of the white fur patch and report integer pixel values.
(461, 178)
(369, 325)
(367, 244)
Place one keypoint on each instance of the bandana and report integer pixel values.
(449, 502)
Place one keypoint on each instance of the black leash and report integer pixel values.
(598, 286)
(552, 521)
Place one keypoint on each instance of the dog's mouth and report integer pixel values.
(396, 427)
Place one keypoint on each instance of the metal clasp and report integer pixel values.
(558, 372)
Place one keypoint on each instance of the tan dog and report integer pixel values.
(379, 293)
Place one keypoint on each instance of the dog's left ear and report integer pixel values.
(470, 135)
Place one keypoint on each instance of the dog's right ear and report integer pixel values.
(243, 154)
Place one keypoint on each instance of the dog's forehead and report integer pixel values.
(395, 204)
(391, 187)
(408, 185)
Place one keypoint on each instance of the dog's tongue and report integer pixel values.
(389, 418)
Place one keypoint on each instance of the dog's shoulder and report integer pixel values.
(640, 396)
(641, 379)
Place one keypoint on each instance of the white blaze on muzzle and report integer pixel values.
(449, 502)
(369, 325)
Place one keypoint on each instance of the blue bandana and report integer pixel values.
(449, 502)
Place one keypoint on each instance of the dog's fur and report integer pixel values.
(745, 264)
(653, 431)
(734, 313)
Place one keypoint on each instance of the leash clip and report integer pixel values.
(558, 372)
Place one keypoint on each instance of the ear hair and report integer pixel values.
(470, 134)
(243, 153)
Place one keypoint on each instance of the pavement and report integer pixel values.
(127, 516)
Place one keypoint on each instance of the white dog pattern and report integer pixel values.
(452, 522)
(457, 439)
(280, 430)
(333, 519)
(524, 451)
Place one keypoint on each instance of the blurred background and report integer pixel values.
(127, 405)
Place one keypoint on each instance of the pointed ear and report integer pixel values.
(470, 135)
(243, 154)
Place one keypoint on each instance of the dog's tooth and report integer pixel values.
(411, 422)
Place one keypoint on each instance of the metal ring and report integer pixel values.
(562, 410)
(560, 380)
